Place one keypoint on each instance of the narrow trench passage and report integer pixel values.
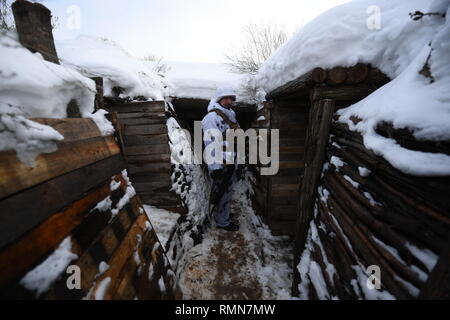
(211, 263)
(246, 264)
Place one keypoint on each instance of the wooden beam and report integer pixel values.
(437, 286)
(351, 93)
(73, 129)
(16, 176)
(155, 129)
(21, 256)
(132, 107)
(26, 210)
(316, 140)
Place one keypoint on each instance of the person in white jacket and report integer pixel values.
(221, 117)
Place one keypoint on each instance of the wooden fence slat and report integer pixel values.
(143, 121)
(16, 176)
(24, 211)
(21, 256)
(144, 115)
(145, 140)
(146, 106)
(73, 129)
(120, 256)
(316, 140)
(146, 150)
(145, 130)
(149, 168)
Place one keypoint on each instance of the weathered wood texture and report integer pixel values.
(316, 78)
(317, 135)
(143, 131)
(57, 201)
(381, 216)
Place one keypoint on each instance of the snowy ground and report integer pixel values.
(247, 264)
(163, 222)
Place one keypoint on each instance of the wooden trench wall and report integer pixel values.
(142, 132)
(56, 201)
(378, 216)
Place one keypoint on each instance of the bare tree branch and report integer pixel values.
(261, 40)
(6, 16)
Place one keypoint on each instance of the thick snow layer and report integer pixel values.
(346, 35)
(44, 275)
(199, 80)
(412, 53)
(33, 87)
(412, 101)
(96, 57)
(163, 221)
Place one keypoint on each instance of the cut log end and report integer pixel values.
(337, 75)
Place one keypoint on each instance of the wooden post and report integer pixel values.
(99, 96)
(34, 27)
(316, 140)
(438, 285)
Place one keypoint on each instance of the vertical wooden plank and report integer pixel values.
(438, 285)
(316, 140)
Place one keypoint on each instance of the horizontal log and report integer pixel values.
(297, 171)
(73, 129)
(142, 115)
(337, 75)
(146, 150)
(358, 73)
(146, 140)
(152, 186)
(143, 121)
(285, 180)
(152, 158)
(145, 129)
(284, 213)
(406, 139)
(367, 252)
(156, 199)
(133, 107)
(21, 256)
(160, 167)
(16, 176)
(121, 255)
(299, 86)
(282, 228)
(347, 93)
(24, 211)
(292, 164)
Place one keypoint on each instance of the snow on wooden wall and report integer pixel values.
(77, 207)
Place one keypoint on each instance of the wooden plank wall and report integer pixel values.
(376, 218)
(291, 118)
(262, 183)
(147, 152)
(55, 201)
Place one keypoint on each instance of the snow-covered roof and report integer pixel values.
(348, 34)
(33, 87)
(199, 80)
(96, 57)
(414, 53)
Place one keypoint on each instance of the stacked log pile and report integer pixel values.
(77, 200)
(143, 130)
(369, 213)
(358, 78)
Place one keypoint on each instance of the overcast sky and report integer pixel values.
(178, 30)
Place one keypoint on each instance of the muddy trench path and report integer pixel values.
(239, 265)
